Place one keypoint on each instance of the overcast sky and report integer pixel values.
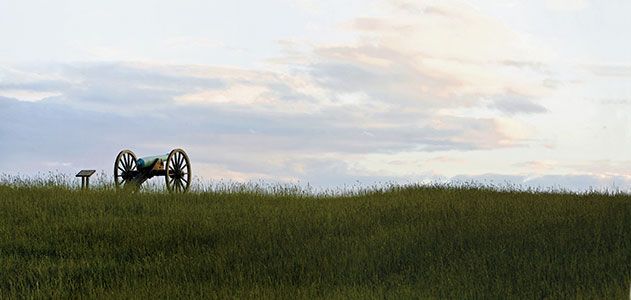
(326, 92)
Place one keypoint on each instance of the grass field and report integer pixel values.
(413, 242)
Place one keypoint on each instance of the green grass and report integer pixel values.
(414, 242)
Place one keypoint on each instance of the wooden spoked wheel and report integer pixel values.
(124, 168)
(178, 169)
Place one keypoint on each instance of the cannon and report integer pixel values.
(130, 171)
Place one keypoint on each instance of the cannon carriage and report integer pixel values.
(132, 172)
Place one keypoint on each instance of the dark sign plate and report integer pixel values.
(85, 173)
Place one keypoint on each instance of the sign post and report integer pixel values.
(85, 178)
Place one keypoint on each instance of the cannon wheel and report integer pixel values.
(178, 169)
(123, 166)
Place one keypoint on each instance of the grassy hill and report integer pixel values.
(427, 242)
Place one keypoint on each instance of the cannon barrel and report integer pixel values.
(148, 161)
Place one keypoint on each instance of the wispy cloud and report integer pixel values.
(514, 104)
(415, 78)
(257, 114)
(619, 71)
(567, 5)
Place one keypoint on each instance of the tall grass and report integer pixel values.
(257, 242)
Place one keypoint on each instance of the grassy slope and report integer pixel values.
(415, 242)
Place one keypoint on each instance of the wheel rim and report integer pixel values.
(124, 166)
(178, 168)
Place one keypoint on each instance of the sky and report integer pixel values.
(329, 93)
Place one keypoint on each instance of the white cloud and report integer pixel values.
(415, 89)
(192, 41)
(238, 94)
(27, 95)
(567, 5)
(385, 92)
(436, 53)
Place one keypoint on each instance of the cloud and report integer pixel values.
(515, 104)
(538, 166)
(566, 182)
(191, 41)
(30, 86)
(567, 5)
(133, 106)
(27, 95)
(307, 116)
(434, 55)
(614, 71)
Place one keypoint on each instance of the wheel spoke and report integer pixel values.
(124, 167)
(180, 159)
(171, 162)
(177, 177)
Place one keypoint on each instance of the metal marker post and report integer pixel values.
(85, 178)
